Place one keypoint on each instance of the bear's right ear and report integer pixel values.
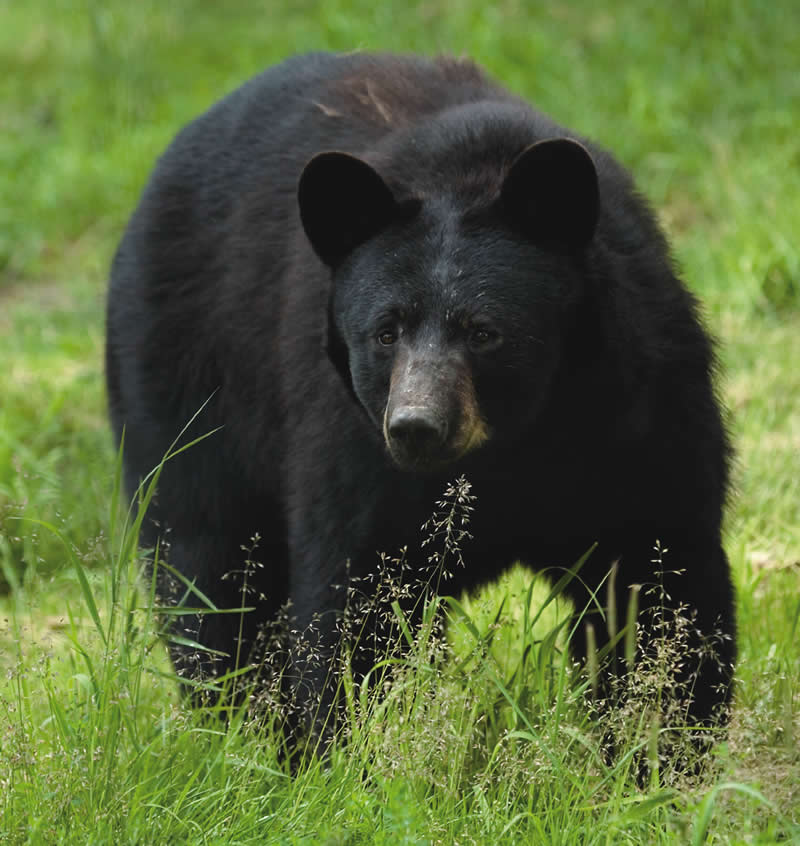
(343, 202)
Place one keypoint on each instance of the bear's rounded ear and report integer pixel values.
(552, 193)
(343, 202)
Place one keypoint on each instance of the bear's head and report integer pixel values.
(446, 318)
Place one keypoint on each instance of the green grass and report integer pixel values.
(702, 101)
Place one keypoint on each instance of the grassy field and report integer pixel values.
(702, 102)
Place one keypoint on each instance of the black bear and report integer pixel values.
(371, 274)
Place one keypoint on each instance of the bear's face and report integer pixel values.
(448, 325)
(450, 337)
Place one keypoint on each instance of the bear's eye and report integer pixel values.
(386, 337)
(481, 338)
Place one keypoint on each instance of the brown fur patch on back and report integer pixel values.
(396, 93)
(327, 110)
(371, 98)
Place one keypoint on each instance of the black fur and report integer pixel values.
(518, 297)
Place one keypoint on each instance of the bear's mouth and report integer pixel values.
(422, 446)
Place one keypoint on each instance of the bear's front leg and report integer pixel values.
(343, 625)
(312, 673)
(681, 661)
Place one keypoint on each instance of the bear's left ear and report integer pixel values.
(343, 202)
(552, 193)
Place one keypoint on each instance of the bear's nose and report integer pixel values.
(417, 429)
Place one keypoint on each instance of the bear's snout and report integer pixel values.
(417, 430)
(431, 416)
